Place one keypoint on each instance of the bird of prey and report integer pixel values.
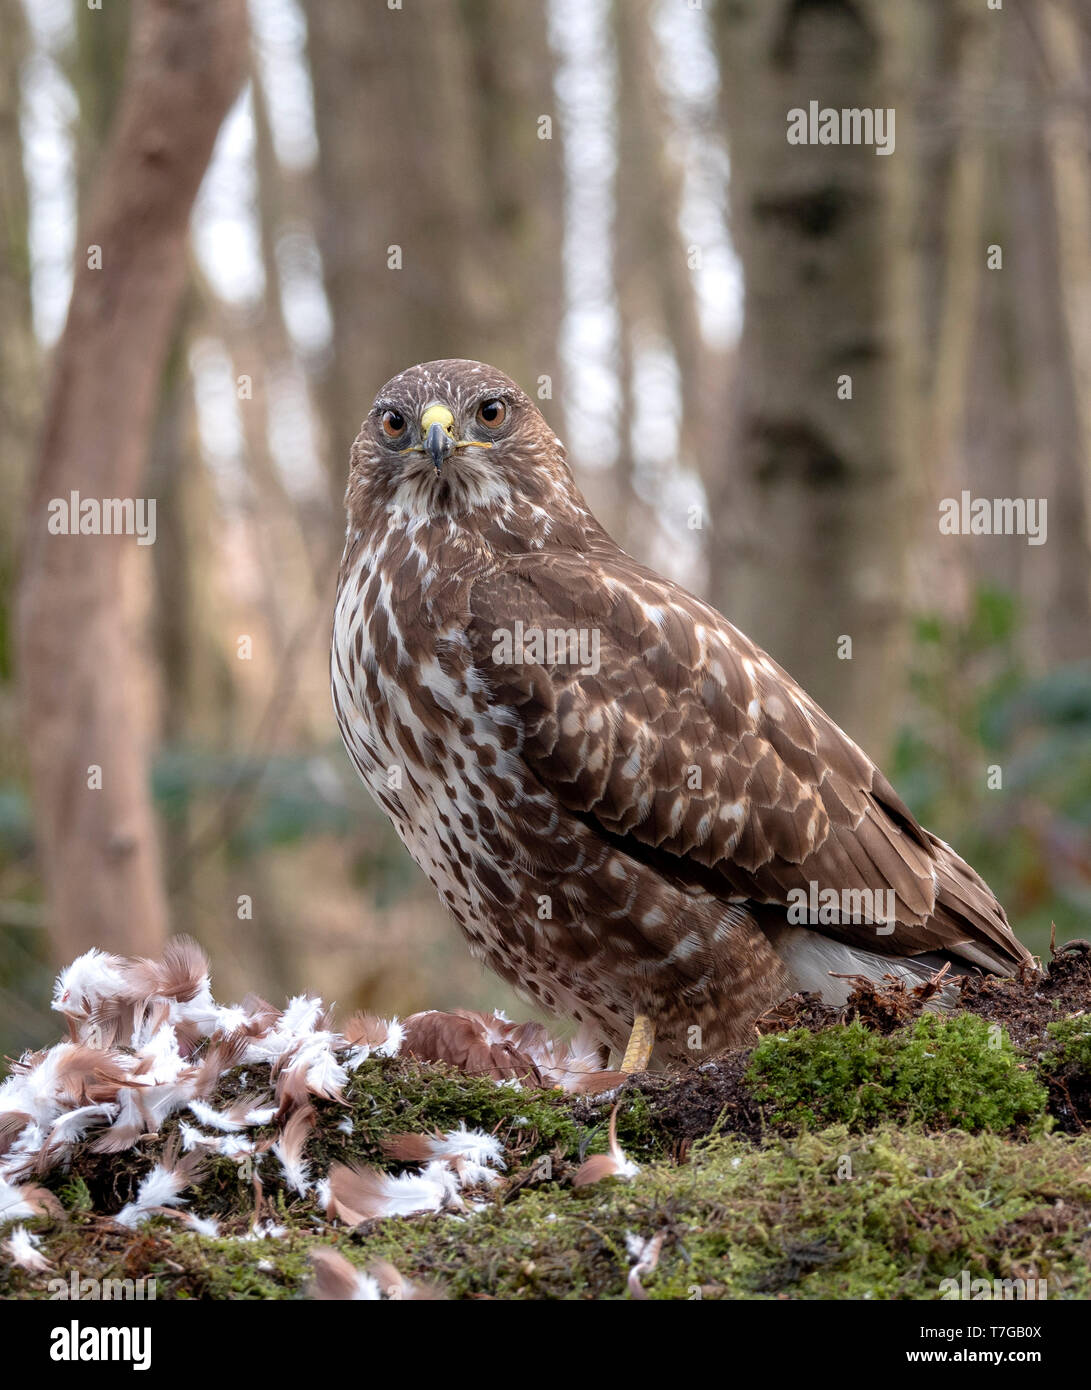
(637, 818)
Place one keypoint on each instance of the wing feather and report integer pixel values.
(690, 746)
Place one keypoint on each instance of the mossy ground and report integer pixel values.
(827, 1214)
(863, 1160)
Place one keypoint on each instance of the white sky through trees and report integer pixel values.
(228, 247)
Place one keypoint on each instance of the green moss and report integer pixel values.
(961, 1072)
(837, 1075)
(75, 1195)
(829, 1215)
(385, 1098)
(922, 1154)
(826, 1216)
(388, 1099)
(1072, 1045)
(964, 1072)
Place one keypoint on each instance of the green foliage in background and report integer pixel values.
(977, 709)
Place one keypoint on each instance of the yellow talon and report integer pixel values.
(641, 1041)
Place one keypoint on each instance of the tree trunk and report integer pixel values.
(442, 207)
(20, 368)
(82, 682)
(818, 480)
(656, 304)
(1066, 45)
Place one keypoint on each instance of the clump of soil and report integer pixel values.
(712, 1098)
(799, 1011)
(1026, 1003)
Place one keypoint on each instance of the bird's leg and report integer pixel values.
(641, 1041)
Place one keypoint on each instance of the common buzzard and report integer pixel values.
(638, 819)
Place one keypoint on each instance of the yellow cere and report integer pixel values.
(437, 415)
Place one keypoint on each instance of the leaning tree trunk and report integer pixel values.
(812, 479)
(85, 715)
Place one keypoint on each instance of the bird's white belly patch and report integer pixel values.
(440, 830)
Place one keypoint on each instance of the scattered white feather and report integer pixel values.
(38, 1091)
(21, 1248)
(475, 1145)
(264, 1230)
(644, 1254)
(365, 1289)
(91, 978)
(297, 1171)
(626, 1168)
(194, 1138)
(129, 1112)
(166, 1058)
(395, 1037)
(74, 1124)
(215, 1119)
(162, 1187)
(472, 1174)
(301, 1015)
(15, 1204)
(390, 1046)
(206, 1226)
(324, 1073)
(210, 1018)
(22, 1155)
(234, 1145)
(429, 1190)
(634, 1244)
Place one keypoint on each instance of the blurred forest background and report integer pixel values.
(296, 199)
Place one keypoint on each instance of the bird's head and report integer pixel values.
(456, 440)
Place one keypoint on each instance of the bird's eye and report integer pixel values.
(393, 424)
(492, 413)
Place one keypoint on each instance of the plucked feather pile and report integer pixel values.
(148, 1041)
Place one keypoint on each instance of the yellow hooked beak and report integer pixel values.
(437, 428)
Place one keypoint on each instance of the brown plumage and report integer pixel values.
(336, 1279)
(487, 1045)
(473, 1042)
(620, 811)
